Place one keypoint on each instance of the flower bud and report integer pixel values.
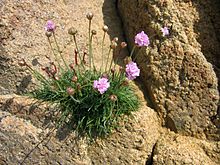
(105, 28)
(78, 86)
(94, 32)
(56, 78)
(105, 75)
(74, 79)
(123, 44)
(48, 33)
(53, 71)
(71, 65)
(115, 39)
(127, 60)
(113, 98)
(89, 16)
(121, 69)
(112, 70)
(70, 91)
(72, 31)
(125, 83)
(22, 62)
(113, 45)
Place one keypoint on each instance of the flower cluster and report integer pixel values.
(101, 85)
(90, 99)
(141, 39)
(132, 70)
(50, 26)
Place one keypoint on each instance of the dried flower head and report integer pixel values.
(101, 85)
(125, 83)
(71, 65)
(94, 32)
(165, 31)
(70, 91)
(89, 16)
(74, 79)
(48, 34)
(72, 31)
(115, 39)
(113, 98)
(50, 26)
(22, 62)
(105, 75)
(123, 44)
(141, 39)
(132, 71)
(113, 44)
(105, 28)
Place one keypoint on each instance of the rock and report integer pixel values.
(181, 83)
(22, 35)
(176, 149)
(23, 129)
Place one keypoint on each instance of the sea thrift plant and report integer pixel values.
(90, 100)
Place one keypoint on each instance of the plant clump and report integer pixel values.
(91, 100)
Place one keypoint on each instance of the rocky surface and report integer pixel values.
(176, 149)
(181, 83)
(27, 137)
(27, 132)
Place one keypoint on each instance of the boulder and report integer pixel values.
(176, 149)
(27, 136)
(181, 83)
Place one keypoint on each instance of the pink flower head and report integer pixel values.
(141, 39)
(101, 85)
(50, 26)
(165, 31)
(132, 70)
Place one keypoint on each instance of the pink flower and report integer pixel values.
(50, 26)
(101, 85)
(141, 39)
(165, 31)
(132, 70)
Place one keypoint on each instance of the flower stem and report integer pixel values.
(56, 58)
(132, 51)
(137, 54)
(103, 39)
(81, 62)
(58, 48)
(111, 62)
(108, 58)
(92, 59)
(90, 51)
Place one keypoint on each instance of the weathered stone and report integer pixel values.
(176, 149)
(181, 84)
(132, 143)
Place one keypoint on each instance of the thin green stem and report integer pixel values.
(108, 58)
(103, 39)
(90, 53)
(58, 48)
(137, 54)
(56, 58)
(111, 62)
(132, 51)
(81, 62)
(37, 75)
